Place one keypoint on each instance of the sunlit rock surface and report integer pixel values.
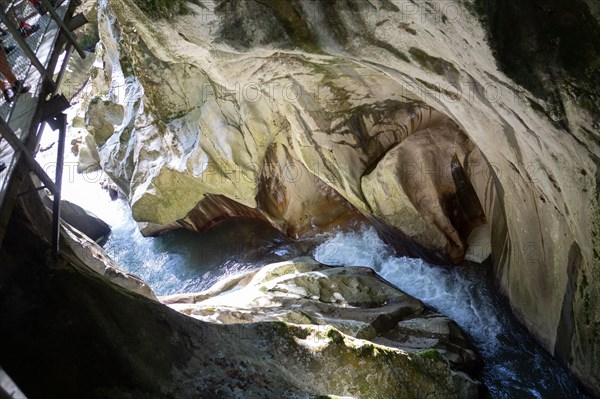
(67, 332)
(389, 109)
(354, 300)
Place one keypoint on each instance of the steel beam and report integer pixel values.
(61, 120)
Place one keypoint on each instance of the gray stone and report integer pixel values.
(84, 221)
(354, 300)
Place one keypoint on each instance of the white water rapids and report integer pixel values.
(514, 365)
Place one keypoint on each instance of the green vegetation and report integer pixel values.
(157, 9)
(596, 233)
(585, 296)
(432, 354)
(367, 351)
(544, 46)
(334, 336)
(87, 38)
(125, 60)
(295, 25)
(435, 64)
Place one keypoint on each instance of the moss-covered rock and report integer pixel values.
(415, 147)
(83, 336)
(353, 300)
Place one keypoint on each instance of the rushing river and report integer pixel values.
(514, 365)
(180, 261)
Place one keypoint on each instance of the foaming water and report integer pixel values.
(180, 261)
(446, 289)
(514, 365)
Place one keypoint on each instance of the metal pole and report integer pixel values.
(25, 47)
(50, 8)
(62, 132)
(63, 67)
(59, 79)
(32, 164)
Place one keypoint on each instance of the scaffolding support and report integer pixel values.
(25, 47)
(48, 111)
(32, 164)
(60, 122)
(64, 28)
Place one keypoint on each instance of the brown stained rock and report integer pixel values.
(295, 200)
(346, 101)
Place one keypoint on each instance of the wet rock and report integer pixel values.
(354, 300)
(432, 331)
(113, 190)
(91, 254)
(102, 340)
(84, 221)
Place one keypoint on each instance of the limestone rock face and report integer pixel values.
(85, 337)
(93, 256)
(88, 159)
(102, 117)
(84, 221)
(354, 300)
(306, 113)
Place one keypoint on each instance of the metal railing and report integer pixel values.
(50, 111)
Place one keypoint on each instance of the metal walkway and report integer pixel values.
(35, 60)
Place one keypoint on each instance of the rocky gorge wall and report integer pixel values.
(79, 327)
(309, 113)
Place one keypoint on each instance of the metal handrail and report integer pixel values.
(32, 164)
(25, 47)
(51, 111)
(64, 28)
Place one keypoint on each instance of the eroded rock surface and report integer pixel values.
(67, 332)
(197, 143)
(392, 110)
(354, 300)
(84, 221)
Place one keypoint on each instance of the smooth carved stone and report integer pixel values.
(354, 300)
(376, 128)
(86, 222)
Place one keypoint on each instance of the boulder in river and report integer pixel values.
(354, 300)
(84, 221)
